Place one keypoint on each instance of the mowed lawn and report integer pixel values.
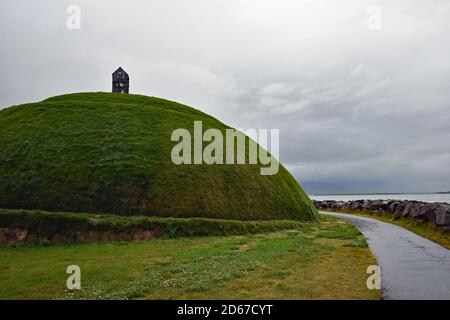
(325, 260)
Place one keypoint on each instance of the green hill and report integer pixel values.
(110, 153)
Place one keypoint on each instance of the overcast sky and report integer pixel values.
(362, 104)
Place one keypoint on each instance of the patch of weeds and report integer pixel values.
(343, 233)
(277, 274)
(357, 243)
(87, 292)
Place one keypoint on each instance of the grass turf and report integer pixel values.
(314, 262)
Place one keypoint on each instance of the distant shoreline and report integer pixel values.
(377, 193)
(421, 197)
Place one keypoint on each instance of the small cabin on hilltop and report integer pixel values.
(120, 81)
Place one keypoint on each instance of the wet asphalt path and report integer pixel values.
(412, 267)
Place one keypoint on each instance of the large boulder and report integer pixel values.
(375, 204)
(443, 215)
(399, 209)
(357, 205)
(407, 209)
(393, 206)
(423, 211)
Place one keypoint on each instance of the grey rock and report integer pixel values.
(407, 209)
(423, 211)
(443, 216)
(375, 204)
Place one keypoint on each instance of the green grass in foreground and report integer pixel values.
(425, 229)
(320, 261)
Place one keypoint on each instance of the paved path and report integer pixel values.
(412, 267)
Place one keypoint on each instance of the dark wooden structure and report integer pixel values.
(120, 81)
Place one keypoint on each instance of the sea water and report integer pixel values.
(424, 197)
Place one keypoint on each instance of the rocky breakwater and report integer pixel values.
(437, 213)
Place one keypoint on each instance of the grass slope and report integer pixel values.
(110, 153)
(319, 261)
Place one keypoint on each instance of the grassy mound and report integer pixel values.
(110, 153)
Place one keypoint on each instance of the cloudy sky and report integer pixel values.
(360, 90)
